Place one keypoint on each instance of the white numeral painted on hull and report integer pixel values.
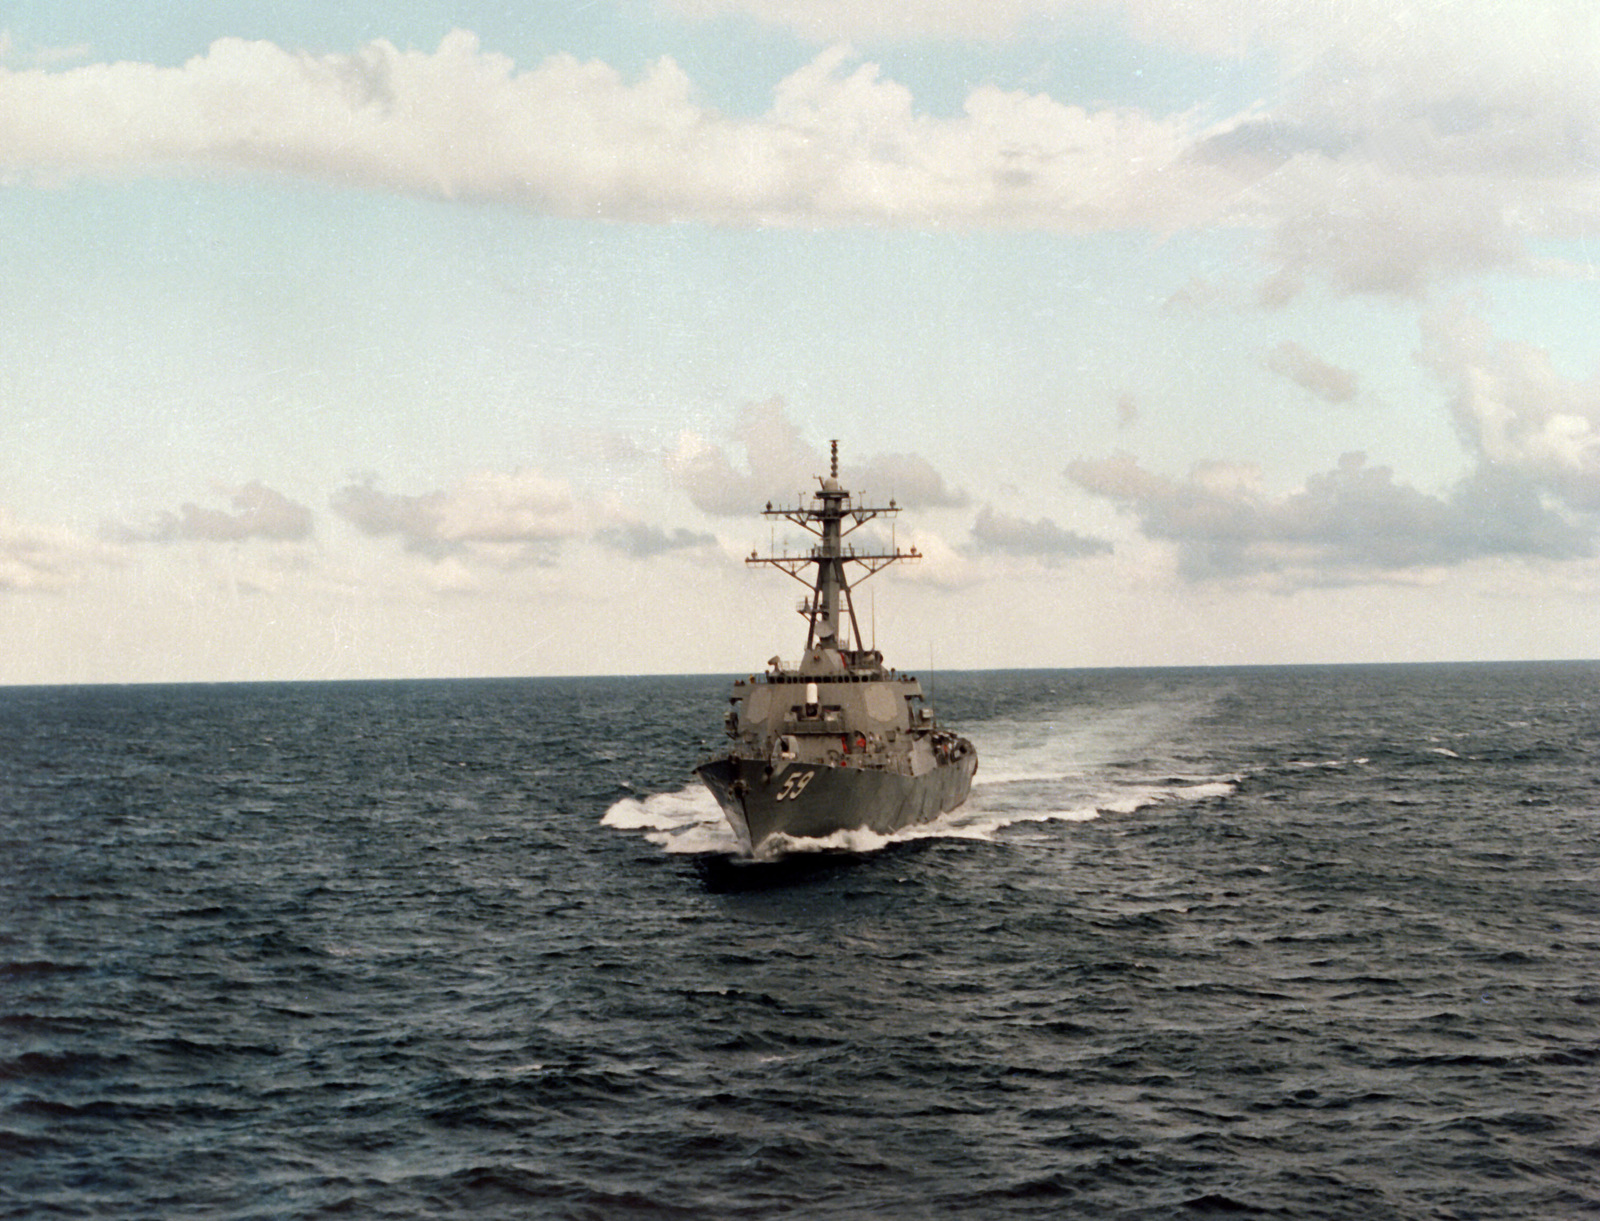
(794, 786)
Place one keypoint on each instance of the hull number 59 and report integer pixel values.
(794, 786)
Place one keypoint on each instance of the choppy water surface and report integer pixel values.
(1296, 943)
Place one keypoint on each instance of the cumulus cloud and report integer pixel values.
(1042, 539)
(906, 478)
(513, 518)
(939, 565)
(1366, 230)
(1354, 523)
(45, 559)
(1532, 489)
(777, 459)
(258, 512)
(1414, 144)
(1516, 414)
(840, 144)
(644, 541)
(780, 464)
(1403, 146)
(1311, 372)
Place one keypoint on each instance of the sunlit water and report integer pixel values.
(1295, 943)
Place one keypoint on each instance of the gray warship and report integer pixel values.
(835, 741)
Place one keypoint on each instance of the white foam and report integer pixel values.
(698, 840)
(859, 840)
(1032, 771)
(683, 821)
(976, 820)
(688, 822)
(629, 815)
(1205, 789)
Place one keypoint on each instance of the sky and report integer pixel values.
(433, 340)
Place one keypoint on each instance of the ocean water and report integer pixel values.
(1306, 942)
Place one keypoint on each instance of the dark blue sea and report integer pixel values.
(1297, 943)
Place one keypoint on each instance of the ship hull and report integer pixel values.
(813, 801)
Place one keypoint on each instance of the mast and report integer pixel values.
(832, 517)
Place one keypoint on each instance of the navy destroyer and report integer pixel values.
(834, 741)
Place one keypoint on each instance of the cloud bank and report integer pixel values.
(45, 559)
(517, 517)
(780, 465)
(1312, 373)
(839, 145)
(1397, 153)
(1530, 437)
(259, 512)
(1514, 412)
(642, 541)
(1350, 525)
(995, 532)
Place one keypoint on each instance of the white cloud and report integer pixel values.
(1368, 228)
(1311, 372)
(1350, 525)
(840, 144)
(642, 540)
(1515, 412)
(780, 465)
(994, 531)
(1405, 144)
(45, 559)
(258, 512)
(505, 519)
(907, 479)
(778, 462)
(938, 564)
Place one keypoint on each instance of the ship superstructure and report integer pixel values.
(834, 741)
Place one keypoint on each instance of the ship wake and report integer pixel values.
(1049, 765)
(689, 822)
